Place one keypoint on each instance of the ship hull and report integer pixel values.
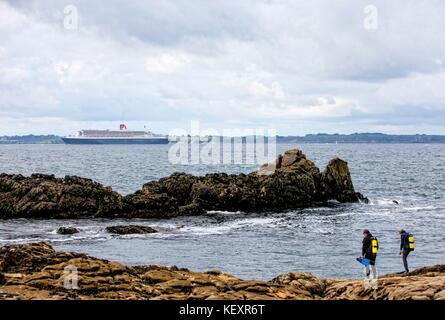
(115, 141)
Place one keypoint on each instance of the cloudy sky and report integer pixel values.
(294, 66)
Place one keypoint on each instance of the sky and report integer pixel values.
(296, 67)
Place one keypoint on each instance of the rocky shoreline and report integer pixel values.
(291, 182)
(37, 271)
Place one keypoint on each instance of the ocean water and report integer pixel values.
(323, 240)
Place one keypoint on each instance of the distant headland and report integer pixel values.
(31, 139)
(362, 138)
(308, 138)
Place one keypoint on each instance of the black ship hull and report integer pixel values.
(115, 141)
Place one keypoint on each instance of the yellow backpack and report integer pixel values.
(374, 245)
(410, 241)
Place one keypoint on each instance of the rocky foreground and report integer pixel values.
(37, 271)
(291, 182)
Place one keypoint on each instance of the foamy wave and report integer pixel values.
(226, 227)
(385, 201)
(419, 208)
(224, 212)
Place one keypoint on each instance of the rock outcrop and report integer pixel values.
(130, 230)
(45, 196)
(37, 271)
(67, 230)
(291, 182)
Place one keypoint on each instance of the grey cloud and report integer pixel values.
(310, 63)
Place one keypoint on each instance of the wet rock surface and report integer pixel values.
(37, 271)
(130, 230)
(45, 196)
(291, 182)
(67, 230)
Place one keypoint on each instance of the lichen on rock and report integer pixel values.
(37, 271)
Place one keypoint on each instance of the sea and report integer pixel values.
(405, 184)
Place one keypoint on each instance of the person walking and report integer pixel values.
(405, 247)
(369, 251)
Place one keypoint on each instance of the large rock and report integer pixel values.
(26, 257)
(37, 271)
(292, 181)
(336, 182)
(45, 196)
(130, 230)
(67, 230)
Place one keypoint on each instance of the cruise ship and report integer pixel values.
(121, 136)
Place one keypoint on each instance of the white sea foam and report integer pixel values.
(385, 201)
(227, 226)
(419, 208)
(224, 212)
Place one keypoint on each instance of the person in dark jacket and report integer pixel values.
(404, 248)
(367, 253)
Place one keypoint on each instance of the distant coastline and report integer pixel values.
(308, 138)
(31, 139)
(362, 138)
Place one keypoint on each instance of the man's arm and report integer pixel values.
(402, 241)
(364, 246)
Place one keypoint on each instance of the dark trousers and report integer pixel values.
(405, 259)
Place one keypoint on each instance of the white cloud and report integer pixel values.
(12, 74)
(261, 90)
(415, 89)
(166, 63)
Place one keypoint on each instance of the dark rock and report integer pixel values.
(150, 205)
(67, 230)
(44, 196)
(362, 198)
(192, 209)
(336, 182)
(292, 181)
(2, 279)
(395, 202)
(130, 230)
